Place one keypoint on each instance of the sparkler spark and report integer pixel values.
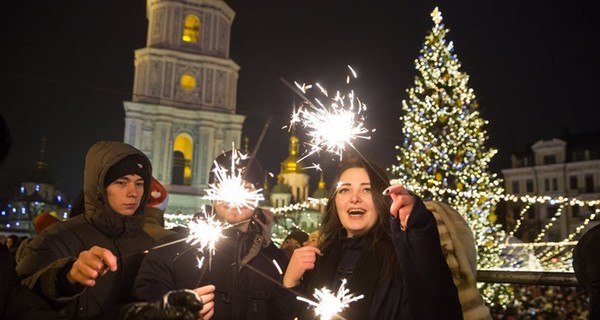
(331, 127)
(205, 232)
(328, 304)
(230, 187)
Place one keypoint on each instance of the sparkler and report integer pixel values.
(330, 127)
(230, 187)
(329, 305)
(205, 232)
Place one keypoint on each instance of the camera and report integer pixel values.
(258, 213)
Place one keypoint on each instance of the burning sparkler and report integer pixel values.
(229, 185)
(205, 232)
(331, 127)
(328, 304)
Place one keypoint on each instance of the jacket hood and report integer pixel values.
(101, 157)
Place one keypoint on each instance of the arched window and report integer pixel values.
(182, 160)
(191, 29)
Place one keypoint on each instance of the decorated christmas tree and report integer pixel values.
(444, 156)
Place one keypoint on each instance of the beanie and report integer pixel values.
(249, 167)
(299, 236)
(159, 198)
(131, 164)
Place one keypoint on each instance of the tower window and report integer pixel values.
(191, 29)
(529, 185)
(515, 187)
(188, 82)
(573, 183)
(182, 160)
(550, 159)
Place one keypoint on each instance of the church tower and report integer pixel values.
(183, 108)
(293, 173)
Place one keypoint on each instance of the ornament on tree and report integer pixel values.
(440, 124)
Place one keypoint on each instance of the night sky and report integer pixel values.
(67, 66)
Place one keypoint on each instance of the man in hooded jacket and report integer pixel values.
(84, 267)
(242, 273)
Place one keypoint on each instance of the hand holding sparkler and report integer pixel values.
(302, 259)
(402, 203)
(91, 265)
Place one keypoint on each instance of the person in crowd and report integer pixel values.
(380, 242)
(241, 271)
(12, 243)
(155, 210)
(16, 300)
(586, 265)
(293, 241)
(84, 267)
(40, 223)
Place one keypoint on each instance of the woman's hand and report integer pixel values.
(402, 203)
(302, 259)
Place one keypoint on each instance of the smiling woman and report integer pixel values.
(357, 236)
(354, 202)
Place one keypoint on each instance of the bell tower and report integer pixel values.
(183, 108)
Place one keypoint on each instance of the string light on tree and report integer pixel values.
(444, 147)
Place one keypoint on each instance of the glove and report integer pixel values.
(264, 218)
(175, 305)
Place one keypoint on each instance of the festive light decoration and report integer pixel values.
(329, 304)
(444, 148)
(330, 127)
(230, 187)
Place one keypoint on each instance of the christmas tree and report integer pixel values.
(444, 156)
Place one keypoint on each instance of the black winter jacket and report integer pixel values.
(421, 288)
(16, 300)
(49, 256)
(242, 292)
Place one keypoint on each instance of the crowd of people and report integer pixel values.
(539, 302)
(114, 259)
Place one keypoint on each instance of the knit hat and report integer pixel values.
(298, 235)
(249, 167)
(131, 164)
(159, 197)
(44, 220)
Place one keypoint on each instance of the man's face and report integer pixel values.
(232, 214)
(125, 194)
